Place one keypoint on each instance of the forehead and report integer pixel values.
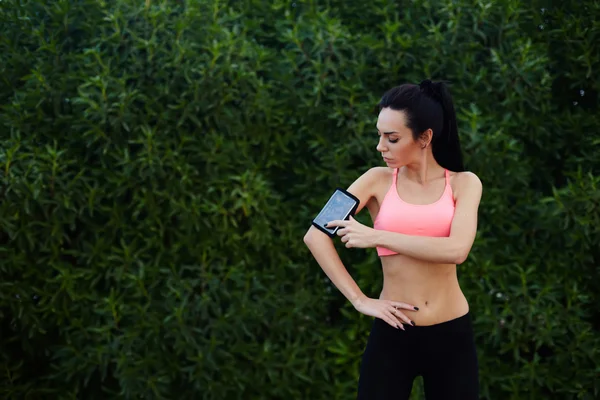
(391, 120)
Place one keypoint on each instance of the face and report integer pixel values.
(396, 143)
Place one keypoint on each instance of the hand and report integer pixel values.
(386, 310)
(353, 233)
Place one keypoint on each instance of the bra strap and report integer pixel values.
(447, 176)
(395, 177)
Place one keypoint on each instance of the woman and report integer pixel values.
(424, 208)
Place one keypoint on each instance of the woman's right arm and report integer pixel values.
(323, 250)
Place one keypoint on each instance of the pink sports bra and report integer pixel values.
(396, 215)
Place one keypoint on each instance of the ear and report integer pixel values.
(425, 138)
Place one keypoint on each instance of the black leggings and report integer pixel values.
(443, 354)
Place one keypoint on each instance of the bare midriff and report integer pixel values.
(433, 288)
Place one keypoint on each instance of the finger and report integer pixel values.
(393, 324)
(335, 222)
(402, 317)
(394, 317)
(392, 320)
(404, 306)
(342, 232)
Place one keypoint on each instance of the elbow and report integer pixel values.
(313, 236)
(461, 256)
(309, 237)
(306, 238)
(460, 259)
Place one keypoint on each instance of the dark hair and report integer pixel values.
(429, 105)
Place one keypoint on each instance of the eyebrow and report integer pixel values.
(387, 133)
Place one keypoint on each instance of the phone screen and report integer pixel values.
(339, 206)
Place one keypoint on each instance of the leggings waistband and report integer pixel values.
(459, 324)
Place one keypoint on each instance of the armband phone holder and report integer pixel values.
(340, 206)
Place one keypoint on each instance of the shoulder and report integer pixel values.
(375, 175)
(370, 182)
(468, 178)
(380, 172)
(381, 178)
(467, 184)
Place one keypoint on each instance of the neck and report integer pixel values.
(424, 170)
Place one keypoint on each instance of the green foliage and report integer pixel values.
(161, 161)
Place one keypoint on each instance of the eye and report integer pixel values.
(378, 134)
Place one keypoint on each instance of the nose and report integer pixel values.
(380, 147)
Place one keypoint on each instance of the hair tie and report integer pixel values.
(426, 84)
(431, 89)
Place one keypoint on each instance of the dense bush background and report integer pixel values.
(161, 161)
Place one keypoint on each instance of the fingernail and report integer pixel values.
(417, 308)
(413, 324)
(325, 225)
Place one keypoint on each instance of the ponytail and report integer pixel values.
(446, 143)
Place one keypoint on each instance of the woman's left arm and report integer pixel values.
(453, 249)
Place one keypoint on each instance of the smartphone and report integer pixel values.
(340, 206)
